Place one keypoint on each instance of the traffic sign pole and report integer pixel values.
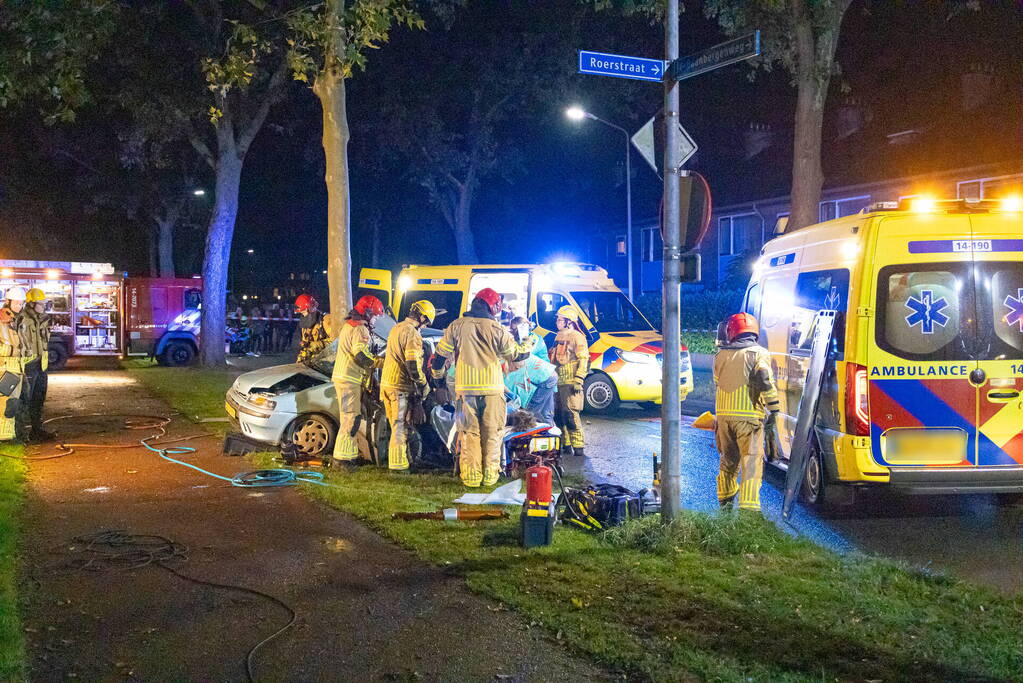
(671, 405)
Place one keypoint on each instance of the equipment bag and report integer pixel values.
(599, 507)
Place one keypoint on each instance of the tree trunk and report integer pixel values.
(165, 241)
(464, 240)
(218, 257)
(330, 89)
(154, 259)
(807, 175)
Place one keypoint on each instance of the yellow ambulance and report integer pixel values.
(923, 392)
(625, 349)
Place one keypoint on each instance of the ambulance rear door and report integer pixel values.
(922, 347)
(997, 246)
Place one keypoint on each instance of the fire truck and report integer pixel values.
(97, 311)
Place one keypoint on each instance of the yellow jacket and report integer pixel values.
(354, 359)
(571, 355)
(478, 346)
(404, 344)
(745, 383)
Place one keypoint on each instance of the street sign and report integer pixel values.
(649, 142)
(620, 66)
(715, 57)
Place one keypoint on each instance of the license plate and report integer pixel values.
(925, 446)
(230, 410)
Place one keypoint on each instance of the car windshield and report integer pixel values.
(611, 312)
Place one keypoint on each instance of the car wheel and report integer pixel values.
(381, 439)
(313, 435)
(600, 393)
(58, 357)
(176, 354)
(812, 490)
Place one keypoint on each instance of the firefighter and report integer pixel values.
(571, 356)
(11, 426)
(351, 367)
(477, 343)
(34, 328)
(314, 337)
(402, 382)
(745, 395)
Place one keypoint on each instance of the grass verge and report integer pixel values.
(710, 597)
(194, 392)
(12, 639)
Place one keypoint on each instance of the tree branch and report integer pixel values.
(277, 81)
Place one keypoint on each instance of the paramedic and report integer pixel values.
(571, 356)
(402, 382)
(745, 388)
(352, 364)
(477, 344)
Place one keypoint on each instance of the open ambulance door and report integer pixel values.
(375, 282)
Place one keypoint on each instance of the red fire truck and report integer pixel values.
(99, 312)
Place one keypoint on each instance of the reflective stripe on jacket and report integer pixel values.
(34, 330)
(572, 356)
(478, 345)
(404, 344)
(353, 355)
(745, 383)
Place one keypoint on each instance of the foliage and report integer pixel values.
(46, 49)
(700, 310)
(709, 598)
(12, 640)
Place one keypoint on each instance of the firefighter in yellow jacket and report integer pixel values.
(402, 379)
(746, 393)
(352, 365)
(478, 343)
(34, 328)
(312, 329)
(571, 356)
(11, 360)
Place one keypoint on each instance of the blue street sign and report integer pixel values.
(715, 57)
(621, 66)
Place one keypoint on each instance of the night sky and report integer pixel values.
(901, 60)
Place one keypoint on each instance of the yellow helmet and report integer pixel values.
(424, 308)
(35, 295)
(569, 313)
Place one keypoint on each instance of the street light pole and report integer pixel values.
(576, 113)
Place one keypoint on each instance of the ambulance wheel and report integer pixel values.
(313, 435)
(600, 393)
(813, 489)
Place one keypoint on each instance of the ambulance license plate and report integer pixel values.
(231, 411)
(926, 446)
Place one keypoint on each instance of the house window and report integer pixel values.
(621, 246)
(652, 245)
(738, 234)
(840, 208)
(989, 188)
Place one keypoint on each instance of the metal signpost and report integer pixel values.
(654, 70)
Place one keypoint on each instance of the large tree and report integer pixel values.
(802, 36)
(330, 40)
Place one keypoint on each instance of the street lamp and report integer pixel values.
(250, 251)
(578, 114)
(199, 193)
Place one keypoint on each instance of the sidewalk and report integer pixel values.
(367, 610)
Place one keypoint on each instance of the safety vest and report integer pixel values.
(353, 355)
(404, 344)
(745, 383)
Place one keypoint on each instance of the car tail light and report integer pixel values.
(857, 411)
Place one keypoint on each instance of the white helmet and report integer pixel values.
(16, 293)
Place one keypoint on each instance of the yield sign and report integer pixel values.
(649, 142)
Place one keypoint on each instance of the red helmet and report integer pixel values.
(369, 306)
(489, 296)
(304, 302)
(741, 323)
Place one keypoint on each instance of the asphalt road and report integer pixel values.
(971, 536)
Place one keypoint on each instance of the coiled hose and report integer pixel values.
(158, 425)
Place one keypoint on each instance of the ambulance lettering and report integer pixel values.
(1015, 306)
(926, 311)
(916, 371)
